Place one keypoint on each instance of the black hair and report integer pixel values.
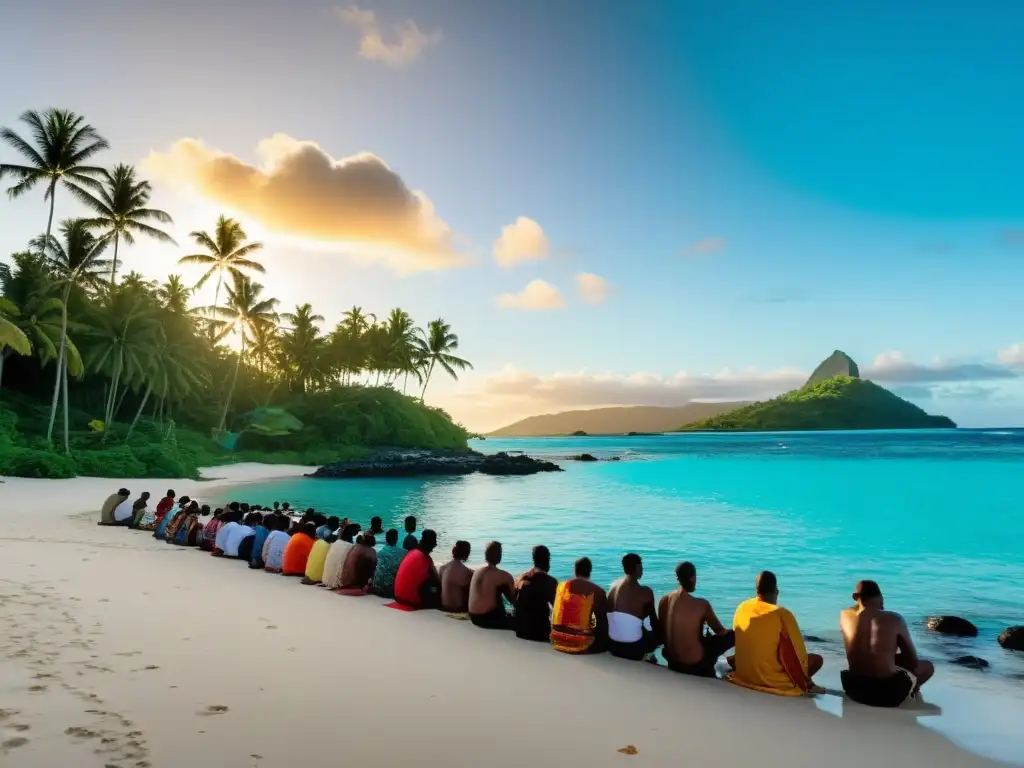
(145, 495)
(307, 528)
(376, 524)
(170, 493)
(245, 507)
(332, 523)
(205, 509)
(193, 507)
(319, 519)
(369, 540)
(583, 568)
(686, 575)
(630, 562)
(542, 558)
(410, 524)
(307, 516)
(461, 550)
(124, 492)
(234, 506)
(428, 541)
(866, 589)
(391, 537)
(492, 553)
(350, 531)
(277, 505)
(184, 500)
(283, 523)
(286, 506)
(766, 583)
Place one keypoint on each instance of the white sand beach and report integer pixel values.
(118, 650)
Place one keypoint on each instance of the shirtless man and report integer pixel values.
(360, 564)
(683, 619)
(884, 669)
(629, 603)
(455, 577)
(486, 589)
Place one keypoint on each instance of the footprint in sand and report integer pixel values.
(213, 709)
(272, 626)
(79, 732)
(17, 741)
(36, 688)
(150, 666)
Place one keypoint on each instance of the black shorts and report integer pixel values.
(635, 651)
(496, 619)
(714, 646)
(879, 691)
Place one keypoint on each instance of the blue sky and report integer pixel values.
(756, 185)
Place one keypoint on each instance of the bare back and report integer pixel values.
(682, 617)
(487, 586)
(455, 578)
(872, 638)
(629, 596)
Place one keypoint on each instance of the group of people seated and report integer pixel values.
(576, 616)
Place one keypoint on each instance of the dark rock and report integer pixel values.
(418, 463)
(814, 639)
(952, 625)
(615, 458)
(1012, 639)
(974, 662)
(578, 433)
(837, 364)
(584, 457)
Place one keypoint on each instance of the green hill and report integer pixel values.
(841, 402)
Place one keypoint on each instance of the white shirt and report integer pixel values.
(123, 511)
(235, 537)
(222, 535)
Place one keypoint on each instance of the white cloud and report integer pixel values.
(1013, 355)
(894, 367)
(537, 295)
(522, 240)
(409, 40)
(708, 245)
(593, 288)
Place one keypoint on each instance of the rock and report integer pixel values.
(578, 433)
(1012, 639)
(418, 463)
(836, 364)
(584, 457)
(952, 625)
(974, 662)
(814, 639)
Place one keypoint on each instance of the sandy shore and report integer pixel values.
(119, 650)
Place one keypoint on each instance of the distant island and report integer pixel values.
(835, 397)
(637, 419)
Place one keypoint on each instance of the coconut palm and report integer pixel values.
(244, 314)
(226, 253)
(264, 347)
(174, 371)
(302, 346)
(120, 205)
(12, 338)
(62, 144)
(78, 252)
(401, 337)
(435, 348)
(174, 295)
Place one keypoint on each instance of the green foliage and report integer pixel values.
(841, 402)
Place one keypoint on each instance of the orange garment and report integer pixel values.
(572, 626)
(296, 553)
(770, 652)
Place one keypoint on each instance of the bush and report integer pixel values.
(165, 461)
(113, 462)
(25, 462)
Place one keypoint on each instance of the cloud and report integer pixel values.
(537, 295)
(410, 42)
(707, 245)
(964, 392)
(593, 288)
(894, 367)
(303, 192)
(522, 240)
(914, 391)
(1012, 356)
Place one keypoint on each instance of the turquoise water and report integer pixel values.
(937, 518)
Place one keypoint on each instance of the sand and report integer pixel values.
(118, 650)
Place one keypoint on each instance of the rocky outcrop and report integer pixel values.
(420, 463)
(585, 457)
(973, 662)
(1012, 639)
(952, 625)
(836, 364)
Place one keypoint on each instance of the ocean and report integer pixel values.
(935, 517)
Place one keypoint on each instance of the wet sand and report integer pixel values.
(119, 650)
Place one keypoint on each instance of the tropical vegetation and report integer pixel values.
(107, 372)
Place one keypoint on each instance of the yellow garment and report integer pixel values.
(317, 558)
(759, 626)
(572, 621)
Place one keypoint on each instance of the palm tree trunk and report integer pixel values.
(138, 413)
(3, 357)
(405, 383)
(112, 396)
(64, 385)
(216, 301)
(49, 221)
(113, 265)
(60, 356)
(120, 402)
(231, 391)
(426, 381)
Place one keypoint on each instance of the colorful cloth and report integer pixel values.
(195, 533)
(170, 524)
(210, 534)
(770, 652)
(181, 537)
(389, 558)
(259, 538)
(572, 627)
(411, 576)
(293, 561)
(323, 532)
(273, 551)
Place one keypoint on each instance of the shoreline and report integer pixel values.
(130, 650)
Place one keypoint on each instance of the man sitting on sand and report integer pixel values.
(139, 509)
(534, 595)
(688, 648)
(388, 560)
(885, 670)
(416, 583)
(770, 653)
(113, 501)
(409, 542)
(334, 564)
(328, 528)
(579, 618)
(360, 563)
(629, 604)
(488, 590)
(297, 552)
(277, 540)
(455, 577)
(165, 505)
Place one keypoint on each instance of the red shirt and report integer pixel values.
(163, 506)
(411, 574)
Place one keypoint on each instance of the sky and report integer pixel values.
(610, 203)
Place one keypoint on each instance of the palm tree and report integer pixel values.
(436, 347)
(120, 204)
(174, 295)
(12, 338)
(63, 143)
(401, 342)
(245, 313)
(227, 253)
(174, 371)
(264, 347)
(78, 254)
(302, 345)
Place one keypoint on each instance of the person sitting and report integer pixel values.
(327, 528)
(360, 564)
(388, 560)
(195, 531)
(236, 536)
(376, 527)
(317, 559)
(534, 595)
(630, 603)
(139, 508)
(297, 552)
(337, 554)
(770, 654)
(123, 513)
(189, 519)
(409, 542)
(248, 541)
(683, 618)
(150, 522)
(176, 519)
(579, 617)
(212, 528)
(274, 546)
(113, 501)
(885, 670)
(260, 531)
(416, 583)
(455, 577)
(231, 521)
(488, 589)
(161, 528)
